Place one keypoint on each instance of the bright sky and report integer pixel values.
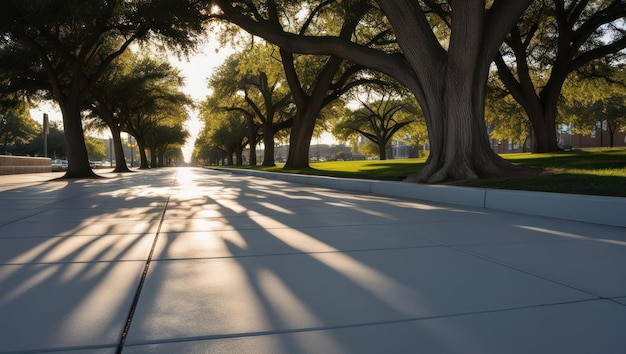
(196, 70)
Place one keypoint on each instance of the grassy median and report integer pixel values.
(594, 172)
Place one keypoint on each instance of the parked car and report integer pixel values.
(59, 165)
(96, 164)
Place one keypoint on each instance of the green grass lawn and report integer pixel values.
(595, 172)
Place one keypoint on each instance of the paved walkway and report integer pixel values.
(195, 261)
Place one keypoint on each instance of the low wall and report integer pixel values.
(21, 164)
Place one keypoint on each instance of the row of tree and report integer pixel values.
(234, 112)
(251, 102)
(143, 97)
(441, 51)
(69, 51)
(145, 101)
(22, 135)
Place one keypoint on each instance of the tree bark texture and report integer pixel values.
(300, 139)
(450, 86)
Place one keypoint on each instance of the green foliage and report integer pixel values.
(251, 80)
(61, 43)
(56, 143)
(504, 116)
(553, 40)
(96, 148)
(342, 155)
(16, 126)
(250, 83)
(153, 97)
(590, 100)
(224, 130)
(369, 149)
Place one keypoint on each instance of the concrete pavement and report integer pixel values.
(186, 260)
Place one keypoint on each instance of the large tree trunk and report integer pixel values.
(161, 156)
(611, 129)
(300, 138)
(120, 160)
(253, 131)
(544, 134)
(77, 157)
(142, 155)
(153, 157)
(540, 109)
(252, 155)
(308, 108)
(268, 141)
(230, 152)
(382, 149)
(451, 90)
(239, 155)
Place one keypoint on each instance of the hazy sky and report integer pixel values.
(196, 70)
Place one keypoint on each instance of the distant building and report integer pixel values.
(566, 140)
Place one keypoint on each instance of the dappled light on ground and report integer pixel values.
(619, 241)
(386, 289)
(235, 262)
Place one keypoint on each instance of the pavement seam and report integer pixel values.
(44, 207)
(525, 271)
(133, 308)
(347, 326)
(259, 255)
(22, 218)
(520, 269)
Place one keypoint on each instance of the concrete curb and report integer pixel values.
(592, 209)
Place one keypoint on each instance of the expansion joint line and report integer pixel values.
(144, 274)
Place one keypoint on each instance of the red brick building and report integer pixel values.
(566, 140)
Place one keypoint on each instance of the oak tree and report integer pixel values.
(554, 39)
(447, 76)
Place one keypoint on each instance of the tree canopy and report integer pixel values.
(62, 47)
(446, 70)
(16, 127)
(553, 39)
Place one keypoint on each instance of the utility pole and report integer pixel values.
(46, 131)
